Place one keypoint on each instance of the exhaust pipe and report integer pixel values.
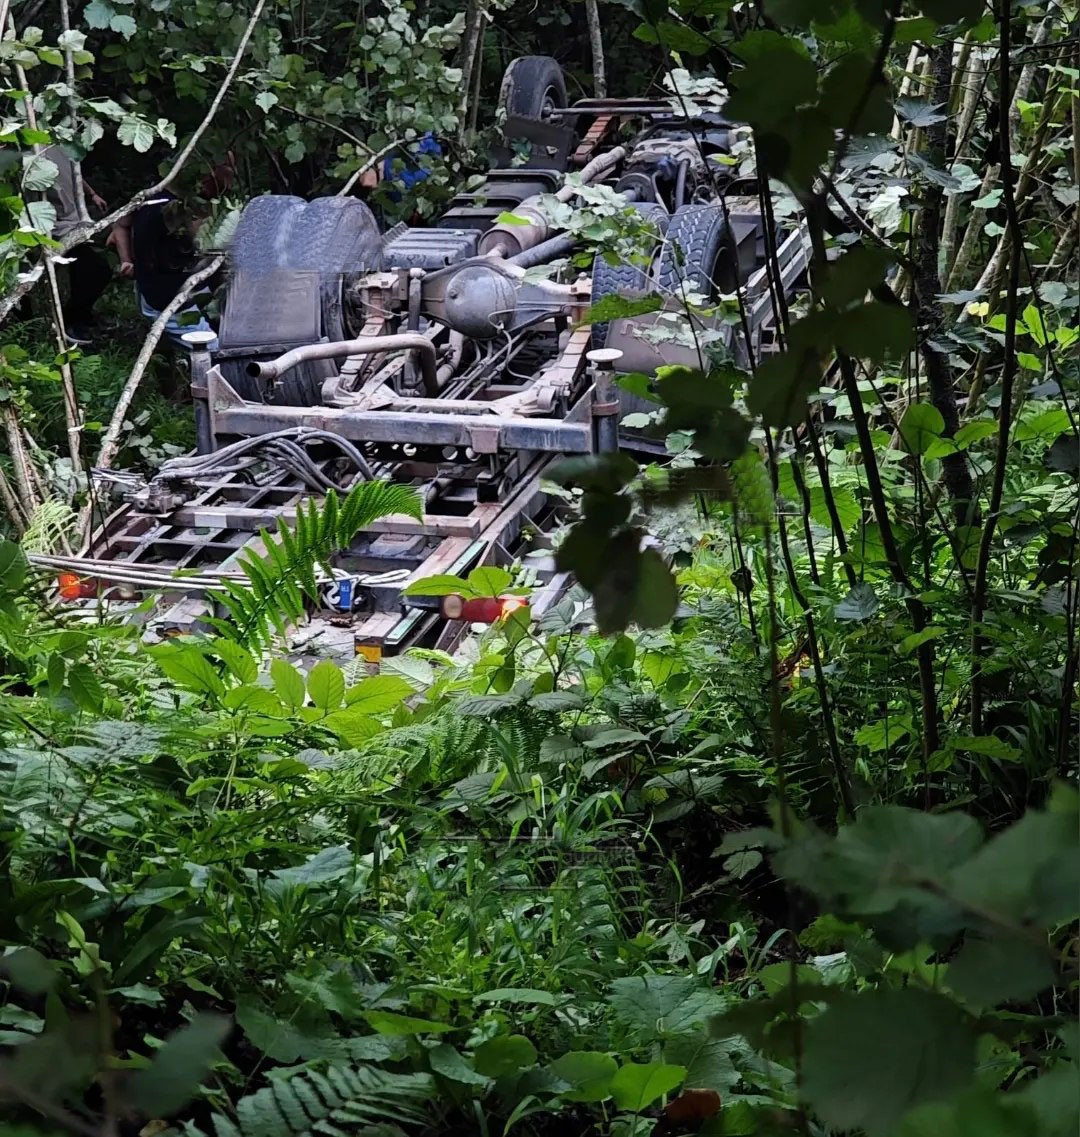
(367, 345)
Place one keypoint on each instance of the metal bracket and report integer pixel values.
(484, 439)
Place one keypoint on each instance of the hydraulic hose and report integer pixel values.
(545, 251)
(680, 183)
(599, 165)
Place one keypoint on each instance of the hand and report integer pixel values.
(127, 269)
(100, 204)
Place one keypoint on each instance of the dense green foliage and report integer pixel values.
(792, 847)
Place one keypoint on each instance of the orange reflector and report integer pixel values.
(74, 587)
(480, 610)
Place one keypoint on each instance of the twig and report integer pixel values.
(83, 233)
(67, 377)
(11, 504)
(20, 463)
(110, 443)
(371, 163)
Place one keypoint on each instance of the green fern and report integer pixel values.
(52, 524)
(280, 583)
(331, 1104)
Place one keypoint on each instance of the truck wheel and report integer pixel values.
(532, 87)
(339, 237)
(624, 279)
(289, 262)
(698, 251)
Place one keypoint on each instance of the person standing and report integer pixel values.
(89, 272)
(156, 246)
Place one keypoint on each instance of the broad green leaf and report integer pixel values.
(136, 132)
(177, 1069)
(588, 1072)
(518, 995)
(871, 1057)
(972, 432)
(444, 585)
(288, 682)
(776, 81)
(657, 595)
(39, 173)
(321, 868)
(708, 1061)
(504, 1054)
(909, 643)
(661, 1006)
(280, 1041)
(449, 1063)
(237, 659)
(85, 688)
(1028, 873)
(390, 1022)
(921, 425)
(982, 1113)
(326, 685)
(378, 693)
(352, 725)
(12, 566)
(29, 971)
(879, 736)
(877, 867)
(1001, 969)
(124, 25)
(637, 1085)
(98, 13)
(189, 668)
(489, 581)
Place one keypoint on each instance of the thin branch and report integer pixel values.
(110, 443)
(72, 414)
(11, 504)
(370, 164)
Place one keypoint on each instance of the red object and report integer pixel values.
(74, 587)
(484, 610)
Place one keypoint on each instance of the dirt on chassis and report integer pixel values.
(433, 357)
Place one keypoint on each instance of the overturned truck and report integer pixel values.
(434, 357)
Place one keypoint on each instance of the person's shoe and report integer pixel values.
(78, 335)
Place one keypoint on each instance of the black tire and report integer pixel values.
(338, 238)
(624, 279)
(698, 251)
(298, 254)
(533, 86)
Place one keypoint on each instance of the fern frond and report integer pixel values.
(51, 525)
(330, 1104)
(281, 582)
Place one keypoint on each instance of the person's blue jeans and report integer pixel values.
(189, 319)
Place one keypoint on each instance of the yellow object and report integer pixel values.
(370, 652)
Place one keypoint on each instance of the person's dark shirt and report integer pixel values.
(163, 249)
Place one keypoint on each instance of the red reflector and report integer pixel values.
(482, 610)
(74, 587)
